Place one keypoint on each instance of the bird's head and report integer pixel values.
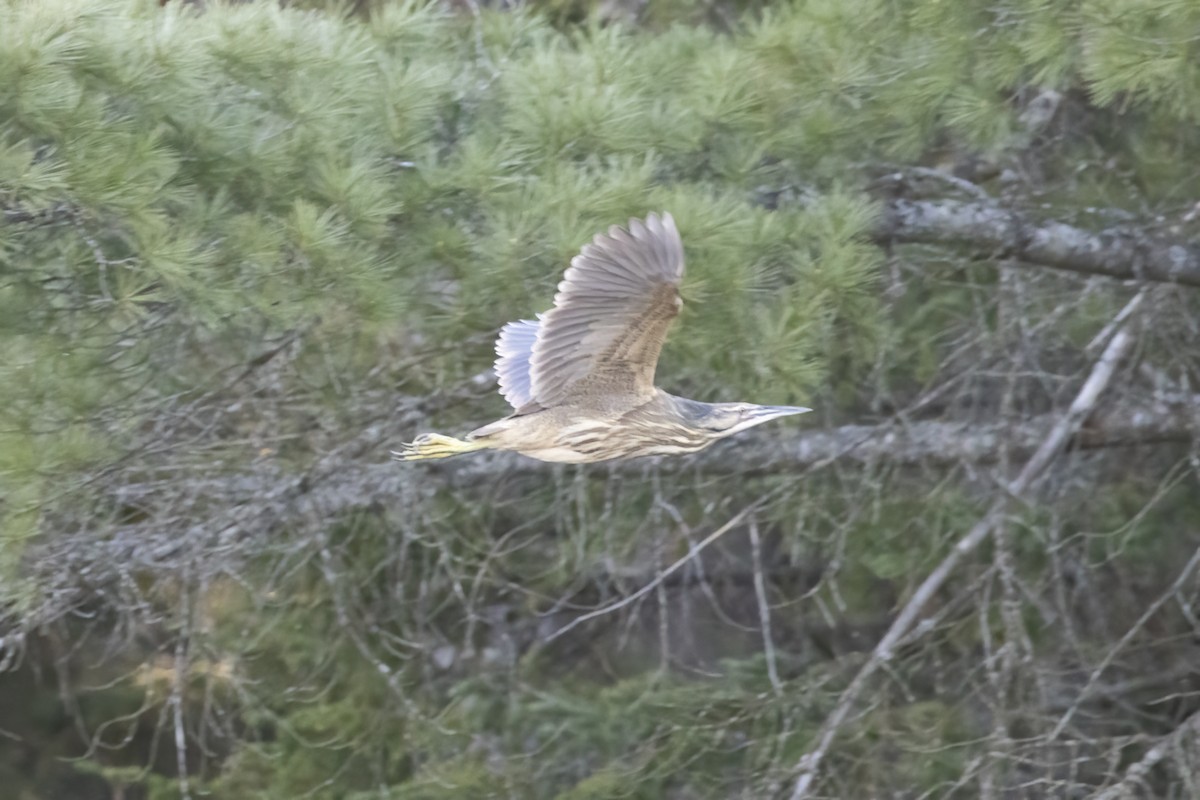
(725, 419)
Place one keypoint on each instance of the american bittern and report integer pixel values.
(581, 377)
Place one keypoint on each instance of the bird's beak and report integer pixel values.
(761, 414)
(757, 415)
(771, 412)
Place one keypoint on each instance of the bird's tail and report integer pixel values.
(435, 445)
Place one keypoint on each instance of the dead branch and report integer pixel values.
(1124, 252)
(809, 765)
(224, 515)
(662, 576)
(1138, 771)
(342, 484)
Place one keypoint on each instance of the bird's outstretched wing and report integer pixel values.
(513, 350)
(610, 315)
(609, 320)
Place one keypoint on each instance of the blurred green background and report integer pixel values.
(246, 249)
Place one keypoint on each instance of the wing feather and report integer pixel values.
(513, 350)
(610, 317)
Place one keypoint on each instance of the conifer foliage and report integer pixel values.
(246, 249)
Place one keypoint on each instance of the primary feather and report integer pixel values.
(513, 349)
(611, 314)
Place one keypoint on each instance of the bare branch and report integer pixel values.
(1094, 679)
(764, 607)
(1127, 253)
(810, 763)
(1138, 771)
(662, 576)
(222, 513)
(340, 484)
(225, 514)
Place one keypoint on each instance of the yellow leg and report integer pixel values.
(434, 445)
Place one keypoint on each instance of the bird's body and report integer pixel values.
(578, 435)
(581, 377)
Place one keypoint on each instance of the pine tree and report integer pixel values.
(247, 249)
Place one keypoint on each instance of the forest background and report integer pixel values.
(246, 250)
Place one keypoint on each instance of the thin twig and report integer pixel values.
(1138, 771)
(180, 675)
(808, 767)
(1184, 575)
(662, 576)
(764, 608)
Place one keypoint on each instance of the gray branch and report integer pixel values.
(1138, 771)
(1123, 252)
(337, 485)
(1054, 442)
(221, 516)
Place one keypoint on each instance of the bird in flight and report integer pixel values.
(580, 377)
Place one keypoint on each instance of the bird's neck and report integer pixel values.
(690, 409)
